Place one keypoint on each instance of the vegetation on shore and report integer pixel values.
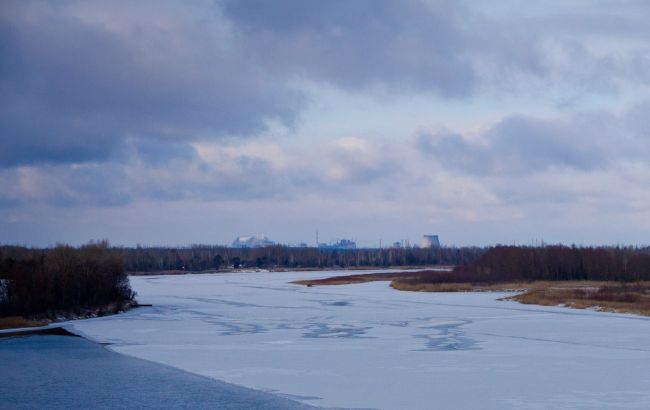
(608, 279)
(14, 322)
(631, 297)
(371, 277)
(205, 257)
(37, 286)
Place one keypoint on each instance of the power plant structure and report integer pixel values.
(430, 241)
(342, 244)
(252, 241)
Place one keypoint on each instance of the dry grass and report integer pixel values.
(603, 296)
(459, 286)
(432, 287)
(372, 277)
(14, 322)
(347, 280)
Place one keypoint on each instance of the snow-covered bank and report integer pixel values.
(367, 345)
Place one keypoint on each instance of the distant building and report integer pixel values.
(252, 241)
(341, 244)
(430, 241)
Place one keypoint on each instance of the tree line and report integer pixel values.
(61, 279)
(206, 257)
(37, 281)
(549, 263)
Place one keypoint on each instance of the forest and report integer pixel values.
(502, 264)
(206, 257)
(61, 280)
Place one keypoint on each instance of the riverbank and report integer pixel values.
(15, 322)
(596, 295)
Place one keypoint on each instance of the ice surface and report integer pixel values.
(369, 346)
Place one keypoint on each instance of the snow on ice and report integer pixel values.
(369, 346)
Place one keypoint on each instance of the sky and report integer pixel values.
(178, 123)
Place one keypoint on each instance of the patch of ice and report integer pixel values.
(383, 348)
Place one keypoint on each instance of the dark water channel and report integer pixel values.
(63, 372)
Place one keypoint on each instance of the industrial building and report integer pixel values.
(341, 244)
(252, 241)
(430, 241)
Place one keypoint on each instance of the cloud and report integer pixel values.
(107, 105)
(354, 160)
(78, 79)
(495, 163)
(65, 186)
(236, 171)
(361, 44)
(521, 145)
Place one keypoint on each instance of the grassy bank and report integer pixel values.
(607, 296)
(373, 277)
(16, 322)
(43, 319)
(602, 296)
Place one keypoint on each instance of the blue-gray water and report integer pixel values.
(62, 372)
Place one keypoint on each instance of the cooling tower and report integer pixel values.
(430, 241)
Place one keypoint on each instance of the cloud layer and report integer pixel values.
(109, 104)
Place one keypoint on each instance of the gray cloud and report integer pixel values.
(407, 44)
(78, 80)
(637, 122)
(104, 105)
(211, 172)
(528, 145)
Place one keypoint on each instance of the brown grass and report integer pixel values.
(431, 287)
(459, 286)
(603, 296)
(342, 280)
(14, 322)
(369, 277)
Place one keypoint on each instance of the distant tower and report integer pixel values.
(430, 241)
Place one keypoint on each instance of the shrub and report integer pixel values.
(63, 278)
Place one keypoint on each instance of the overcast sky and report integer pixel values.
(173, 123)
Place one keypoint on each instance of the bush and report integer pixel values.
(63, 278)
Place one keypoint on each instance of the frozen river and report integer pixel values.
(369, 346)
